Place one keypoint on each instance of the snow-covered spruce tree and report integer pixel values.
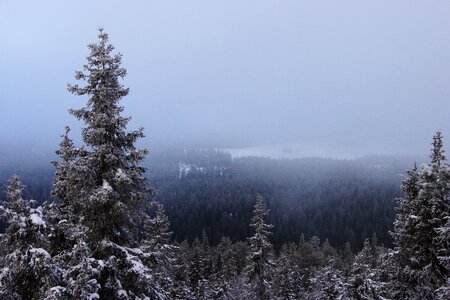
(101, 186)
(236, 290)
(419, 246)
(68, 235)
(68, 187)
(199, 270)
(287, 279)
(68, 183)
(362, 282)
(440, 221)
(444, 257)
(159, 252)
(181, 288)
(225, 269)
(117, 185)
(401, 284)
(329, 253)
(327, 283)
(310, 257)
(27, 270)
(237, 286)
(434, 211)
(347, 257)
(260, 263)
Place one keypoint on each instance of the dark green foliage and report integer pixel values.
(421, 219)
(343, 201)
(27, 269)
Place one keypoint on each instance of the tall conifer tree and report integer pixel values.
(117, 186)
(260, 262)
(420, 247)
(101, 188)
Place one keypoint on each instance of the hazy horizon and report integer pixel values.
(310, 78)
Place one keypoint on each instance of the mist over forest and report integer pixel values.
(197, 150)
(344, 80)
(208, 191)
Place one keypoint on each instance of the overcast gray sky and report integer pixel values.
(362, 76)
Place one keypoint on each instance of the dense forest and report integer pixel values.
(247, 228)
(208, 191)
(344, 201)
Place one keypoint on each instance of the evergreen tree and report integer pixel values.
(225, 269)
(404, 235)
(71, 177)
(67, 232)
(440, 221)
(110, 207)
(227, 253)
(437, 152)
(443, 239)
(347, 258)
(329, 253)
(327, 283)
(417, 229)
(362, 283)
(310, 259)
(287, 279)
(237, 289)
(159, 252)
(28, 271)
(198, 270)
(101, 187)
(259, 260)
(181, 288)
(157, 236)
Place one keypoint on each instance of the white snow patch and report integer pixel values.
(101, 263)
(121, 176)
(93, 296)
(40, 251)
(426, 169)
(37, 220)
(57, 290)
(106, 186)
(184, 169)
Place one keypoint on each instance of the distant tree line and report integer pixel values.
(344, 201)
